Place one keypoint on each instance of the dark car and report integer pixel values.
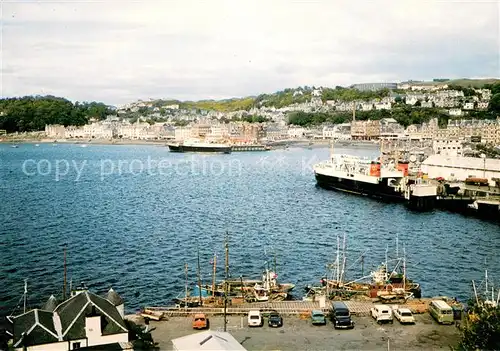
(340, 315)
(275, 320)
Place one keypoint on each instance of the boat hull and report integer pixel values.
(200, 149)
(353, 186)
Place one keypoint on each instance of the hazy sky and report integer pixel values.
(117, 51)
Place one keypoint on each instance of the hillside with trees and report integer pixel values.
(32, 113)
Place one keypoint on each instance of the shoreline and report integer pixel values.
(302, 143)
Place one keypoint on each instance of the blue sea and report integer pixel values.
(131, 218)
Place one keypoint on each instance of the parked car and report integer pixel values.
(275, 320)
(200, 321)
(382, 313)
(340, 315)
(318, 317)
(255, 319)
(403, 315)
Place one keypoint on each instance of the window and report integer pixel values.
(76, 345)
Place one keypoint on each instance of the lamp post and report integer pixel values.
(483, 156)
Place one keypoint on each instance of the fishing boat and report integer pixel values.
(385, 283)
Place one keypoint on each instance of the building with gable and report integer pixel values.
(83, 320)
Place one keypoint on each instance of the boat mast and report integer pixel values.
(386, 262)
(486, 282)
(199, 278)
(64, 283)
(213, 275)
(225, 281)
(338, 259)
(344, 258)
(186, 297)
(25, 294)
(475, 292)
(404, 268)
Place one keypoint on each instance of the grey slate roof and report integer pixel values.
(73, 312)
(37, 326)
(114, 298)
(51, 304)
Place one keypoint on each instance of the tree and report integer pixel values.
(481, 330)
(494, 105)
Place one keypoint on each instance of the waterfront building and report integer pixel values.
(296, 132)
(55, 130)
(182, 133)
(83, 320)
(365, 130)
(337, 132)
(457, 168)
(390, 129)
(276, 132)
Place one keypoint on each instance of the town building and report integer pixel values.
(458, 168)
(83, 320)
(448, 147)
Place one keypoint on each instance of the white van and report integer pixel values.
(382, 313)
(255, 319)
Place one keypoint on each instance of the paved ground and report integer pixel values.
(298, 334)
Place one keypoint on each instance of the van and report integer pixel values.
(441, 312)
(255, 318)
(340, 315)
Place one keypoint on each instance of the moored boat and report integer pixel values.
(199, 146)
(362, 176)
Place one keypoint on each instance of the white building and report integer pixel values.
(337, 132)
(84, 320)
(456, 168)
(383, 106)
(455, 112)
(448, 147)
(296, 132)
(182, 133)
(469, 106)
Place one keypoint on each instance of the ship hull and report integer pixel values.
(357, 187)
(193, 148)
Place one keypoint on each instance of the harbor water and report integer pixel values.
(131, 217)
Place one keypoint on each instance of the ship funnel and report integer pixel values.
(403, 167)
(375, 169)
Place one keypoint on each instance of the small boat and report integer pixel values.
(14, 146)
(84, 145)
(37, 145)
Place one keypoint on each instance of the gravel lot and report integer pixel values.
(297, 334)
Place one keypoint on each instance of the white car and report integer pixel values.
(403, 315)
(255, 319)
(382, 313)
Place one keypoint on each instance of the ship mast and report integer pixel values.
(186, 286)
(213, 276)
(225, 281)
(199, 278)
(25, 294)
(64, 284)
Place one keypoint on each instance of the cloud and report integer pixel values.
(116, 51)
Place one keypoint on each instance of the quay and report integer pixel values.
(299, 308)
(241, 148)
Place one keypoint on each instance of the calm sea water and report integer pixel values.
(131, 217)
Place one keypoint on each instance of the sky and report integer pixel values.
(119, 51)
